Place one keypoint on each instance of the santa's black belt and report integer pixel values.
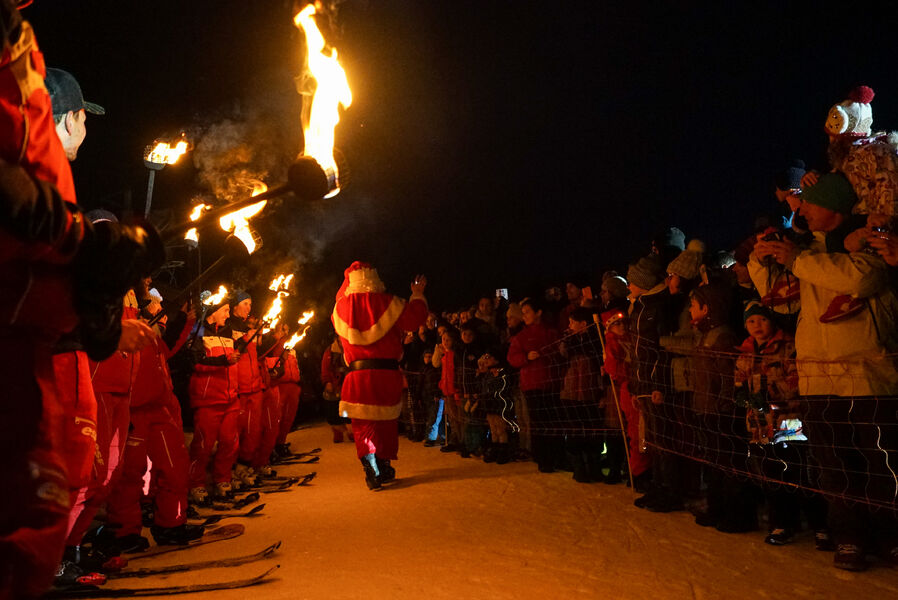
(374, 363)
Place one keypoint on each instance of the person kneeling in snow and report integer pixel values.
(370, 324)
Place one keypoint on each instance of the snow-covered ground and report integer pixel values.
(457, 528)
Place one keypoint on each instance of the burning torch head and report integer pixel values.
(307, 179)
(235, 249)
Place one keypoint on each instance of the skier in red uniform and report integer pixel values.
(371, 324)
(156, 433)
(242, 330)
(289, 389)
(270, 413)
(216, 406)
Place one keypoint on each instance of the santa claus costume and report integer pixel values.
(370, 324)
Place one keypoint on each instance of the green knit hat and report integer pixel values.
(831, 191)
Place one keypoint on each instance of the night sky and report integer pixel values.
(491, 144)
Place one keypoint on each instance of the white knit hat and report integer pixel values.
(853, 116)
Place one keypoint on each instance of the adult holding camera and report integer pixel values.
(845, 374)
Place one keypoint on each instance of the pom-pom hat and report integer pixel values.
(688, 262)
(854, 116)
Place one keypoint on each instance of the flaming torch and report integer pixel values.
(192, 236)
(237, 222)
(156, 157)
(331, 91)
(281, 283)
(296, 338)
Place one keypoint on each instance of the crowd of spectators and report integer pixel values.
(756, 381)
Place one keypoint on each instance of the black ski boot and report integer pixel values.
(179, 535)
(71, 572)
(387, 473)
(131, 543)
(372, 474)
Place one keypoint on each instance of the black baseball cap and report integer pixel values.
(65, 94)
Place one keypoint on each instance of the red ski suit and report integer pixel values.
(370, 325)
(270, 413)
(113, 380)
(157, 434)
(249, 387)
(289, 388)
(617, 369)
(216, 407)
(35, 308)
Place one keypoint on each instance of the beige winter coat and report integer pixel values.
(848, 357)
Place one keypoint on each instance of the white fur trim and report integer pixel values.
(362, 281)
(383, 325)
(370, 412)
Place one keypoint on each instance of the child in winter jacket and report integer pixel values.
(766, 385)
(497, 400)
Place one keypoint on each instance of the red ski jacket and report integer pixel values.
(153, 384)
(535, 374)
(249, 377)
(214, 379)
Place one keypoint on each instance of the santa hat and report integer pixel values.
(853, 117)
(610, 317)
(360, 278)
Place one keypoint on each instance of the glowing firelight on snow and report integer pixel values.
(164, 153)
(237, 222)
(281, 283)
(217, 297)
(306, 317)
(331, 91)
(295, 339)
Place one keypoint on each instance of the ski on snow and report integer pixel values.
(207, 564)
(96, 592)
(225, 532)
(213, 519)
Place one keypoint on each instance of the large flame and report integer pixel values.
(332, 90)
(192, 235)
(217, 297)
(296, 338)
(164, 153)
(281, 283)
(237, 222)
(274, 313)
(306, 317)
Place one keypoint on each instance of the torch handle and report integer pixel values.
(176, 232)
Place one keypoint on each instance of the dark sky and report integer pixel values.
(492, 144)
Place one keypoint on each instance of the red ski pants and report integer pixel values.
(35, 501)
(79, 406)
(380, 438)
(156, 435)
(112, 434)
(271, 425)
(640, 462)
(289, 405)
(214, 424)
(250, 426)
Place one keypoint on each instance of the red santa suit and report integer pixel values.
(35, 308)
(113, 380)
(157, 434)
(370, 324)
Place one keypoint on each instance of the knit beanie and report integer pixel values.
(239, 297)
(646, 273)
(790, 177)
(756, 308)
(853, 117)
(671, 238)
(687, 264)
(616, 286)
(831, 191)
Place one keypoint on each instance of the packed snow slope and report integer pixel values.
(458, 528)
